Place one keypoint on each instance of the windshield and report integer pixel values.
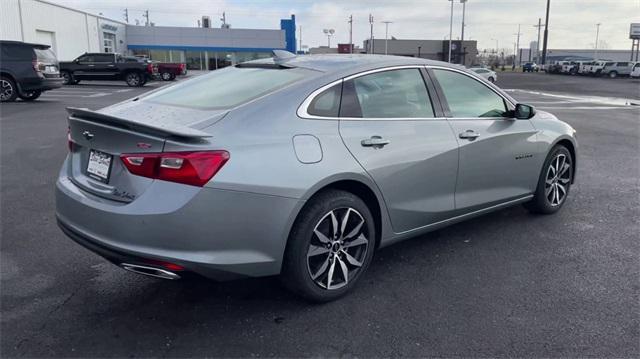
(227, 88)
(45, 55)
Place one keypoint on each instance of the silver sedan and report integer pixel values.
(303, 166)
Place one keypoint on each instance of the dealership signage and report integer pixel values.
(115, 28)
(634, 32)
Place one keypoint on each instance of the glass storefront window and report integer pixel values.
(195, 60)
(159, 55)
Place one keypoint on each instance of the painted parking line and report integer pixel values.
(610, 101)
(97, 94)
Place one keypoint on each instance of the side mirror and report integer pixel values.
(524, 112)
(76, 61)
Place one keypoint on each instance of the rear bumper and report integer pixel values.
(216, 233)
(42, 84)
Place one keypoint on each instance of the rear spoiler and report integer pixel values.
(159, 129)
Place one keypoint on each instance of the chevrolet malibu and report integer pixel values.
(302, 166)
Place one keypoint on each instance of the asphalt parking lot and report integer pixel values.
(503, 285)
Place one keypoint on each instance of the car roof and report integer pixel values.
(37, 46)
(331, 63)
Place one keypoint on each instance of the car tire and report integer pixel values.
(30, 95)
(318, 247)
(134, 79)
(613, 74)
(173, 77)
(67, 78)
(552, 190)
(491, 79)
(165, 76)
(8, 89)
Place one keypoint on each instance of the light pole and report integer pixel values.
(450, 30)
(386, 34)
(539, 26)
(329, 33)
(464, 6)
(496, 44)
(595, 56)
(371, 35)
(546, 34)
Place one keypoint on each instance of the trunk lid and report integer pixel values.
(100, 137)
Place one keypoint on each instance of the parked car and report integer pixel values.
(594, 68)
(169, 71)
(635, 72)
(489, 75)
(553, 67)
(283, 166)
(581, 67)
(107, 67)
(615, 69)
(568, 67)
(530, 67)
(166, 71)
(27, 70)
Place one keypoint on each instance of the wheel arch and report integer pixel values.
(360, 186)
(7, 74)
(566, 142)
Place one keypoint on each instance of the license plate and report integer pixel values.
(99, 165)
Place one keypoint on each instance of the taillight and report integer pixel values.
(192, 168)
(70, 142)
(150, 68)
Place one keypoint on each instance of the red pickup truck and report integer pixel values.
(169, 71)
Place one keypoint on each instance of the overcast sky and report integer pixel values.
(572, 23)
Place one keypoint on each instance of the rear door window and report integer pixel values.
(467, 97)
(387, 94)
(228, 87)
(103, 58)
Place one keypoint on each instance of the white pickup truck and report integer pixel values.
(594, 68)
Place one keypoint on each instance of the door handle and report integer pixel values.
(91, 65)
(374, 141)
(469, 135)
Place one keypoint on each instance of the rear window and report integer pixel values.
(227, 88)
(45, 55)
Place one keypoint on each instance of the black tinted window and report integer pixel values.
(85, 58)
(17, 52)
(388, 94)
(103, 58)
(326, 104)
(468, 97)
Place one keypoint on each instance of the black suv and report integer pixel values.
(27, 70)
(107, 67)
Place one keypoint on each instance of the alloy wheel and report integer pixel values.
(6, 90)
(133, 79)
(338, 248)
(558, 180)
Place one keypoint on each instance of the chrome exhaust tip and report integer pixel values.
(150, 271)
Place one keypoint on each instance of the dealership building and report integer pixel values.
(461, 51)
(72, 32)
